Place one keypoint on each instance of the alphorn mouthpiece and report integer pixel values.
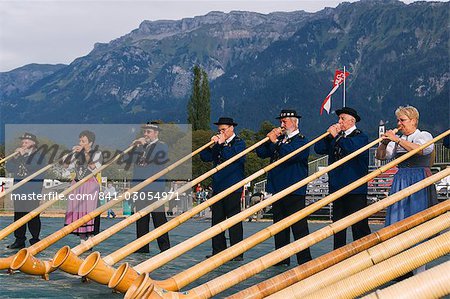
(67, 155)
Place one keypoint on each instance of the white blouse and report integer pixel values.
(96, 159)
(418, 137)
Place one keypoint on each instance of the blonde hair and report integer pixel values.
(410, 111)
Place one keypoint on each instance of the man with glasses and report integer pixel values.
(226, 145)
(344, 139)
(283, 141)
(150, 156)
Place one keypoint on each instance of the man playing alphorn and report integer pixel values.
(344, 139)
(283, 141)
(150, 157)
(25, 163)
(226, 145)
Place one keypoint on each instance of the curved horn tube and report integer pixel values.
(67, 261)
(27, 263)
(6, 262)
(139, 287)
(122, 278)
(96, 269)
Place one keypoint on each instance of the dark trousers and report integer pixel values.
(344, 206)
(143, 227)
(96, 225)
(283, 208)
(34, 226)
(221, 210)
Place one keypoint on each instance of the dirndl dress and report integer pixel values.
(84, 199)
(410, 172)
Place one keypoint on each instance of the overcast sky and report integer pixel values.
(37, 31)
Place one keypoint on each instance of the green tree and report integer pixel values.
(249, 136)
(253, 162)
(193, 103)
(265, 127)
(198, 108)
(179, 142)
(205, 107)
(200, 138)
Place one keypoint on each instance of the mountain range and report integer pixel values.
(257, 64)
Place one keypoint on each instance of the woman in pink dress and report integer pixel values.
(84, 199)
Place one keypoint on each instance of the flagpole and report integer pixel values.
(344, 89)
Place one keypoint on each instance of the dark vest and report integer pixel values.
(288, 172)
(276, 154)
(339, 147)
(231, 174)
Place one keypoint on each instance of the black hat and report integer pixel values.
(226, 121)
(349, 111)
(288, 113)
(30, 136)
(153, 125)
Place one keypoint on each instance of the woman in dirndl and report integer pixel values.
(412, 170)
(83, 200)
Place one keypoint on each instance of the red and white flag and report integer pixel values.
(338, 80)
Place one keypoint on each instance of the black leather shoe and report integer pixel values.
(16, 245)
(34, 241)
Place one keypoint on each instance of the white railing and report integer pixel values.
(442, 154)
(313, 166)
(260, 187)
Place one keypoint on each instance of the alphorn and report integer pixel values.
(182, 279)
(69, 261)
(383, 272)
(434, 284)
(99, 270)
(124, 274)
(16, 224)
(143, 283)
(303, 271)
(27, 263)
(8, 157)
(32, 176)
(233, 277)
(44, 243)
(365, 259)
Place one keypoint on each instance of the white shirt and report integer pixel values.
(154, 141)
(229, 139)
(293, 133)
(418, 137)
(349, 131)
(96, 158)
